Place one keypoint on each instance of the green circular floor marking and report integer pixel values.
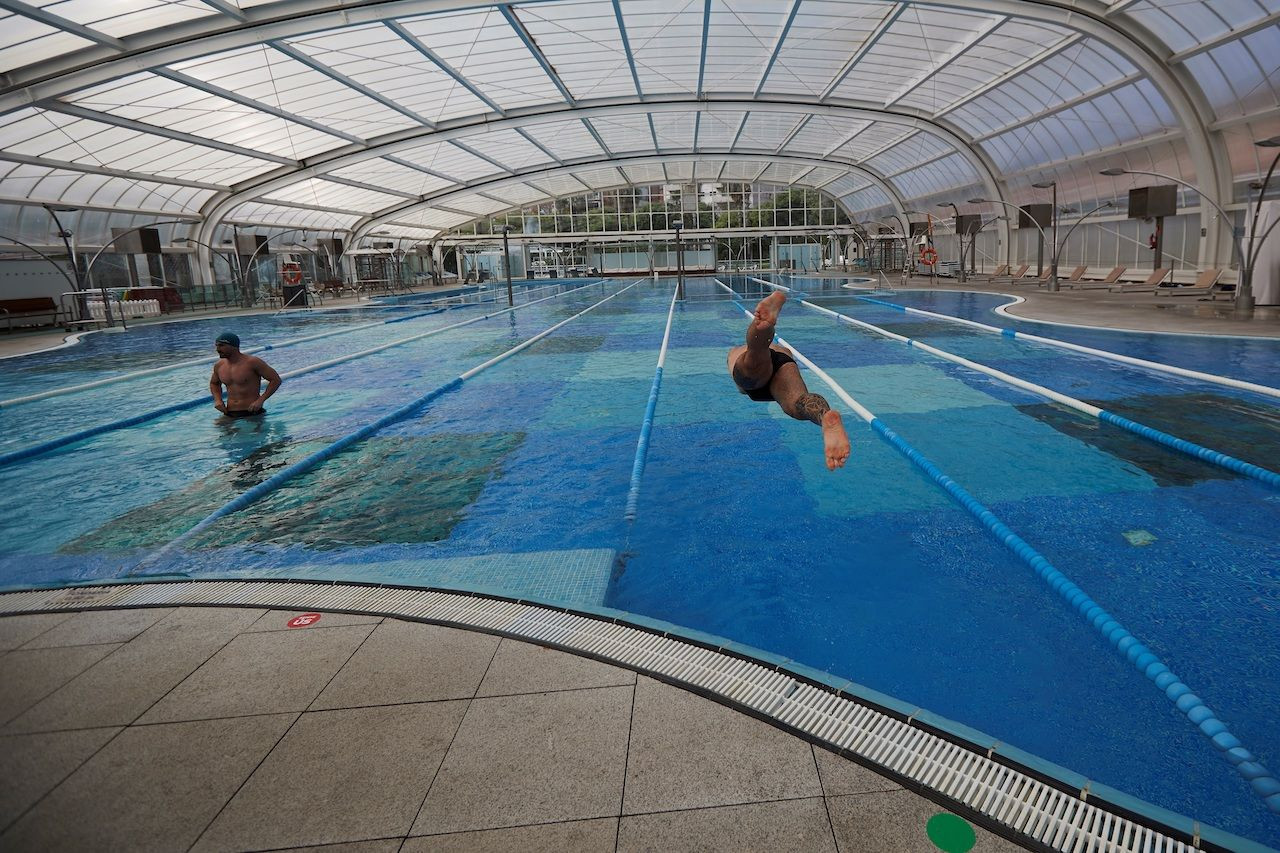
(951, 834)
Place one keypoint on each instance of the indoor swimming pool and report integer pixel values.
(515, 480)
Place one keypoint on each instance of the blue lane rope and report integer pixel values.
(311, 461)
(1143, 659)
(1231, 463)
(80, 435)
(646, 427)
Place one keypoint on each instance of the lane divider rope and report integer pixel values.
(1263, 782)
(646, 427)
(1205, 454)
(43, 447)
(277, 480)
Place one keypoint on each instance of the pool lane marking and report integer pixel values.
(1190, 448)
(311, 461)
(646, 426)
(1213, 378)
(436, 308)
(43, 447)
(1143, 659)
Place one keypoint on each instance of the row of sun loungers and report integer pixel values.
(1158, 282)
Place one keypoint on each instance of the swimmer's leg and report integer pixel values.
(788, 388)
(752, 367)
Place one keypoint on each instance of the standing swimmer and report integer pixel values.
(243, 375)
(764, 371)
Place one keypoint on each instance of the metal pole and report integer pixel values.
(1053, 269)
(81, 304)
(506, 263)
(679, 264)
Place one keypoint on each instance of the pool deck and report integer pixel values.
(223, 728)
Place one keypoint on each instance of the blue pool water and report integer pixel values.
(516, 483)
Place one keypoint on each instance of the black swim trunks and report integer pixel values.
(762, 394)
(244, 413)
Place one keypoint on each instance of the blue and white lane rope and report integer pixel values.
(1144, 660)
(1205, 454)
(194, 362)
(43, 447)
(1212, 378)
(307, 463)
(435, 308)
(646, 427)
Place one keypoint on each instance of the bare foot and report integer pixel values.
(834, 440)
(769, 307)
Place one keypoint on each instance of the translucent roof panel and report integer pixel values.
(24, 41)
(611, 177)
(870, 198)
(743, 170)
(644, 173)
(449, 160)
(40, 183)
(431, 218)
(174, 106)
(386, 173)
(43, 133)
(377, 57)
(568, 139)
(515, 194)
(740, 32)
(784, 173)
(717, 130)
(666, 42)
(509, 148)
(123, 19)
(558, 185)
(583, 44)
(625, 132)
(674, 130)
(1241, 77)
(821, 134)
(849, 183)
(879, 136)
(1189, 23)
(915, 149)
(679, 171)
(338, 196)
(268, 75)
(947, 173)
(485, 48)
(767, 131)
(822, 35)
(259, 212)
(472, 203)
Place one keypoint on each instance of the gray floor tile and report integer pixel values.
(278, 620)
(895, 822)
(537, 758)
(339, 776)
(382, 845)
(411, 662)
(104, 626)
(152, 788)
(797, 826)
(119, 688)
(528, 668)
(842, 776)
(262, 673)
(579, 836)
(687, 752)
(29, 676)
(31, 765)
(16, 630)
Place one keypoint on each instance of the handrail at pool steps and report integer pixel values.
(646, 426)
(277, 480)
(1263, 782)
(43, 447)
(1205, 454)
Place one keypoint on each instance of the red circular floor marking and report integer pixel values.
(304, 620)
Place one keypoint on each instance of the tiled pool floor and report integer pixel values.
(225, 729)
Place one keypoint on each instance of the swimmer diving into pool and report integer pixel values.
(243, 375)
(765, 371)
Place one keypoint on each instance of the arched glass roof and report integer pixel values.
(414, 116)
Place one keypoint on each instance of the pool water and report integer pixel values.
(516, 483)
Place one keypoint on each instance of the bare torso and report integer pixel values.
(243, 379)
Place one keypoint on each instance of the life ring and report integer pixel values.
(928, 256)
(292, 275)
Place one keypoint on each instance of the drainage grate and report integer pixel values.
(1000, 797)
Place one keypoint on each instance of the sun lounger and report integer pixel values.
(1092, 284)
(1001, 271)
(1153, 281)
(1076, 273)
(1015, 275)
(1206, 284)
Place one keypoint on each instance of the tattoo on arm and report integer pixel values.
(811, 407)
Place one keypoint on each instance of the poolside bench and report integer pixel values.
(29, 307)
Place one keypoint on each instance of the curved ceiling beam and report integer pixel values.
(442, 197)
(316, 167)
